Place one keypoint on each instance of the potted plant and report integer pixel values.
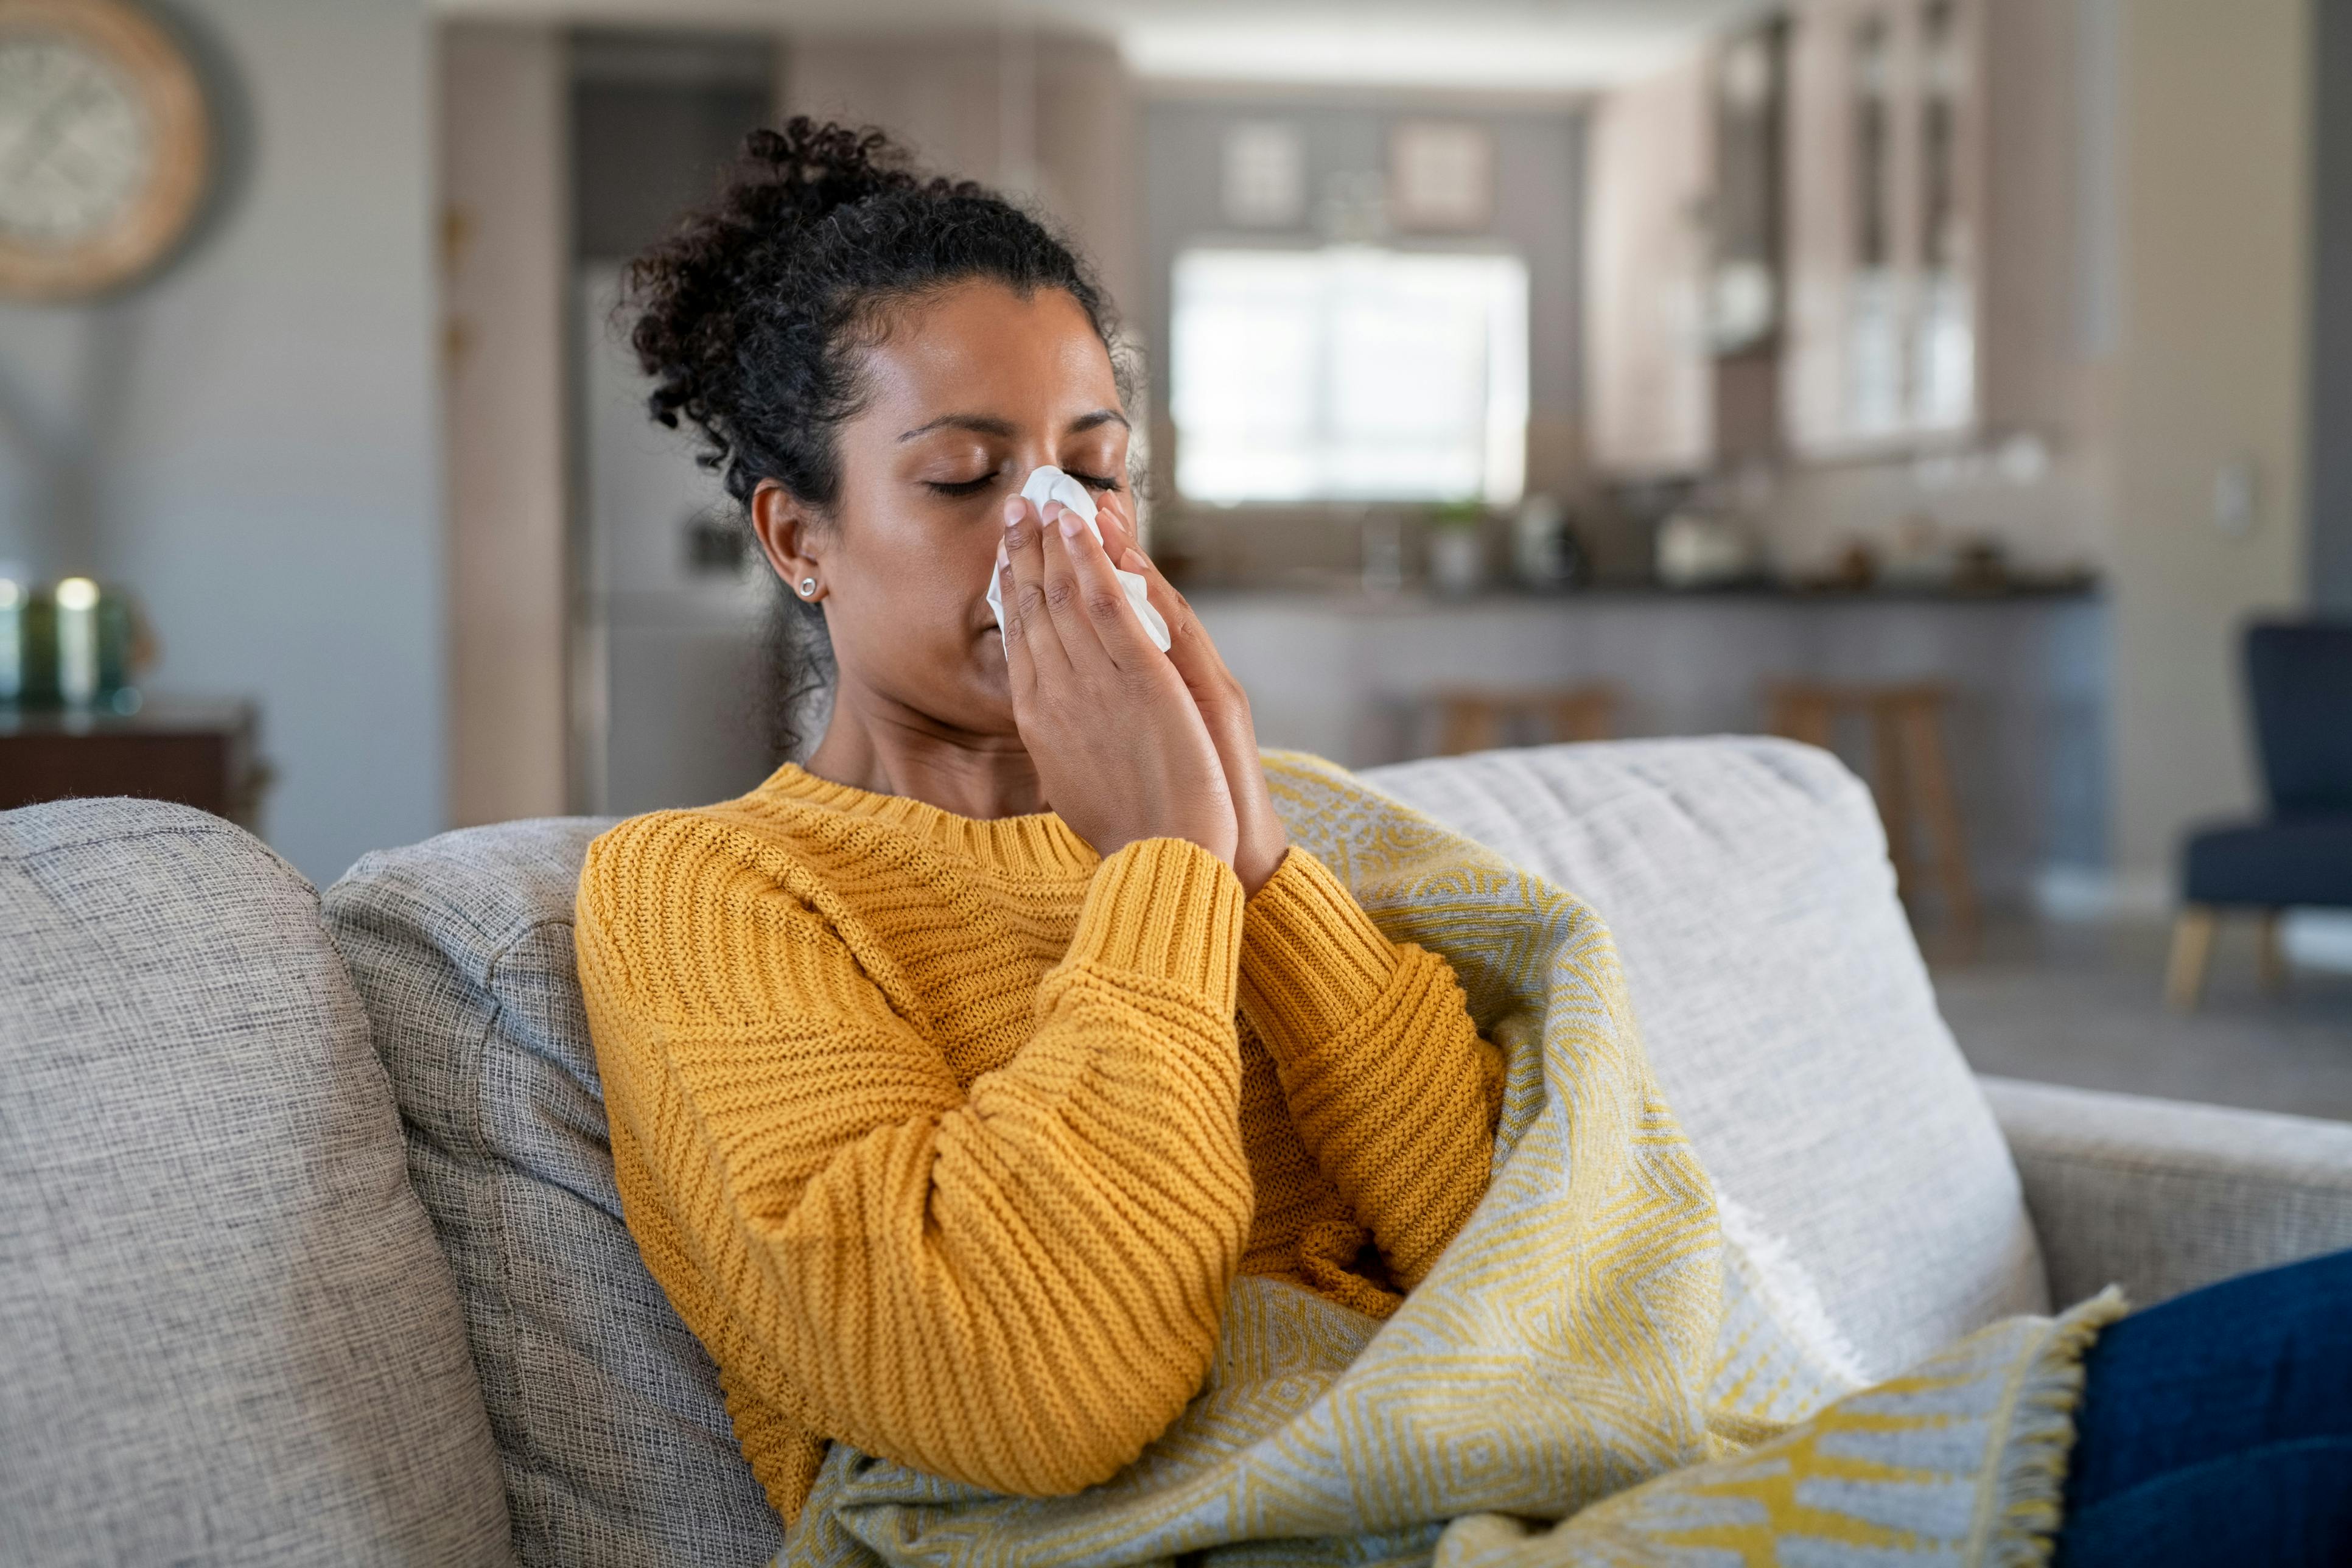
(1457, 548)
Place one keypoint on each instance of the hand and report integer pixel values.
(1223, 705)
(1120, 747)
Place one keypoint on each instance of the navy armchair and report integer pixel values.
(2300, 677)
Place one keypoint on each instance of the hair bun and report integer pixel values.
(809, 168)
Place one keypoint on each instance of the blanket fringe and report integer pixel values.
(2030, 1490)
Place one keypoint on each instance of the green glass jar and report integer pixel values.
(67, 645)
(13, 595)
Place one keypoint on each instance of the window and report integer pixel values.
(1349, 374)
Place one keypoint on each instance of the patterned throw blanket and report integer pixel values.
(1603, 1368)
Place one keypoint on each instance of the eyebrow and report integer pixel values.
(988, 424)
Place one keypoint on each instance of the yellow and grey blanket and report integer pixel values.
(1601, 1369)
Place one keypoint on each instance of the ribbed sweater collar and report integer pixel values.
(1038, 845)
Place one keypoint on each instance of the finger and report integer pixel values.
(1066, 596)
(1113, 618)
(1189, 648)
(1223, 704)
(1118, 527)
(1025, 599)
(1019, 662)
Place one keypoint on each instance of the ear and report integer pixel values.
(790, 534)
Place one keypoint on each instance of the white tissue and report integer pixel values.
(1049, 483)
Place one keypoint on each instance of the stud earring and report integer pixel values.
(808, 586)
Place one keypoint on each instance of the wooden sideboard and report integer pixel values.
(197, 754)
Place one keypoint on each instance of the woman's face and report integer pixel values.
(970, 391)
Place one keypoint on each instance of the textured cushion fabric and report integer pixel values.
(2299, 860)
(225, 1332)
(1784, 1003)
(606, 1410)
(2162, 1197)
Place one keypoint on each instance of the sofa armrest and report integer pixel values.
(2161, 1197)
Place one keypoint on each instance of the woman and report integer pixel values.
(956, 1075)
(1017, 1090)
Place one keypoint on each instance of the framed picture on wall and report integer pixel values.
(1440, 176)
(1265, 184)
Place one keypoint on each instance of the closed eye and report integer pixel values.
(1093, 481)
(960, 487)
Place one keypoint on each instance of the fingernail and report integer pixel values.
(1132, 559)
(1012, 510)
(1070, 525)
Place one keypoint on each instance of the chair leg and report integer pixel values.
(2192, 950)
(1930, 778)
(1588, 714)
(1468, 725)
(2270, 956)
(1803, 714)
(1890, 782)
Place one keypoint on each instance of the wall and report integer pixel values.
(1039, 115)
(504, 175)
(257, 430)
(657, 120)
(2210, 370)
(2331, 326)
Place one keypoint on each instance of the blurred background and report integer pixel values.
(1953, 383)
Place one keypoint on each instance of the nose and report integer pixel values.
(1035, 452)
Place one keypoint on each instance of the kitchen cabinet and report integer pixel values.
(1920, 287)
(1684, 295)
(1886, 223)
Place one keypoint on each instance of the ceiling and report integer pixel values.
(1542, 46)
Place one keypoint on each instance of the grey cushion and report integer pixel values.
(617, 1447)
(1785, 1007)
(225, 1332)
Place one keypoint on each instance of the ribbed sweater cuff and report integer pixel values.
(1167, 908)
(1312, 960)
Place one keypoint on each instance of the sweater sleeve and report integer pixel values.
(1018, 1286)
(1391, 1087)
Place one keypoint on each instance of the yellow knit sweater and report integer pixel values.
(948, 1138)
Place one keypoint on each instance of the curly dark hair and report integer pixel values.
(751, 314)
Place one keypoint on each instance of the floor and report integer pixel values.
(2079, 1004)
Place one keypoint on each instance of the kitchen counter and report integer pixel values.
(1355, 677)
(1346, 592)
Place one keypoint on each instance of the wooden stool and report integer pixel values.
(1908, 771)
(1474, 721)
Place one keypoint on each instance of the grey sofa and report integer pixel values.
(310, 1251)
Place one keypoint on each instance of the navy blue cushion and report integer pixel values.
(2300, 860)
